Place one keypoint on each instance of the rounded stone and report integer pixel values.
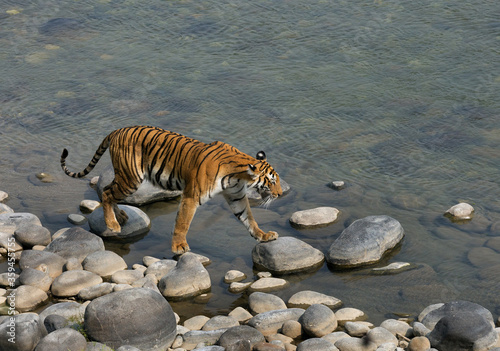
(379, 336)
(87, 206)
(3, 196)
(118, 319)
(188, 278)
(355, 344)
(318, 320)
(196, 322)
(461, 211)
(62, 340)
(306, 298)
(243, 332)
(127, 276)
(240, 314)
(356, 329)
(365, 241)
(292, 329)
(36, 278)
(268, 284)
(29, 298)
(237, 287)
(29, 330)
(261, 302)
(347, 314)
(269, 323)
(397, 327)
(138, 223)
(286, 255)
(419, 343)
(30, 235)
(220, 322)
(19, 219)
(316, 344)
(451, 308)
(104, 263)
(234, 276)
(316, 217)
(72, 311)
(71, 282)
(76, 219)
(160, 268)
(95, 291)
(75, 242)
(53, 322)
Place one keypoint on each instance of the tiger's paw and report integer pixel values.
(179, 249)
(269, 236)
(121, 217)
(111, 232)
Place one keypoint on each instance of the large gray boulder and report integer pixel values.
(147, 192)
(137, 224)
(365, 241)
(137, 317)
(22, 333)
(75, 243)
(188, 278)
(286, 255)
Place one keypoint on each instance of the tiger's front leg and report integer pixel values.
(185, 214)
(241, 208)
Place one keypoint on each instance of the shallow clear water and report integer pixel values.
(397, 98)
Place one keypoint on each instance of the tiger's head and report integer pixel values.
(265, 179)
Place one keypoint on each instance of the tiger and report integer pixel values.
(173, 161)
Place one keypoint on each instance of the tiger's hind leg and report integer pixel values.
(112, 194)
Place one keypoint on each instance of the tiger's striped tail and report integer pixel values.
(97, 156)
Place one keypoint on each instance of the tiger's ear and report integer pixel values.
(261, 156)
(251, 171)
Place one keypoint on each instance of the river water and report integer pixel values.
(399, 99)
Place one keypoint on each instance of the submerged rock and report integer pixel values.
(286, 255)
(460, 211)
(316, 217)
(365, 241)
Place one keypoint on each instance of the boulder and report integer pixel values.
(104, 263)
(21, 332)
(138, 223)
(286, 255)
(316, 217)
(188, 278)
(137, 317)
(318, 320)
(63, 339)
(306, 298)
(365, 241)
(71, 282)
(75, 242)
(147, 192)
(438, 311)
(195, 337)
(243, 332)
(261, 302)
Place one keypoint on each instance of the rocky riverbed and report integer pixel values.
(88, 298)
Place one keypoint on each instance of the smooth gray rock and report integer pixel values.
(118, 319)
(147, 192)
(316, 217)
(34, 258)
(199, 336)
(318, 320)
(316, 344)
(304, 299)
(379, 336)
(286, 255)
(450, 308)
(19, 218)
(53, 322)
(25, 329)
(220, 322)
(75, 242)
(104, 263)
(358, 344)
(36, 278)
(463, 331)
(30, 235)
(269, 323)
(65, 339)
(76, 219)
(126, 276)
(188, 278)
(160, 268)
(71, 282)
(365, 241)
(5, 209)
(28, 298)
(460, 211)
(97, 346)
(138, 223)
(242, 332)
(95, 291)
(260, 302)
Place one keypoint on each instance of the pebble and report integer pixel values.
(148, 260)
(235, 334)
(461, 211)
(5, 209)
(335, 336)
(70, 310)
(316, 217)
(392, 268)
(337, 184)
(237, 287)
(88, 206)
(349, 314)
(397, 327)
(292, 329)
(419, 343)
(318, 320)
(76, 219)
